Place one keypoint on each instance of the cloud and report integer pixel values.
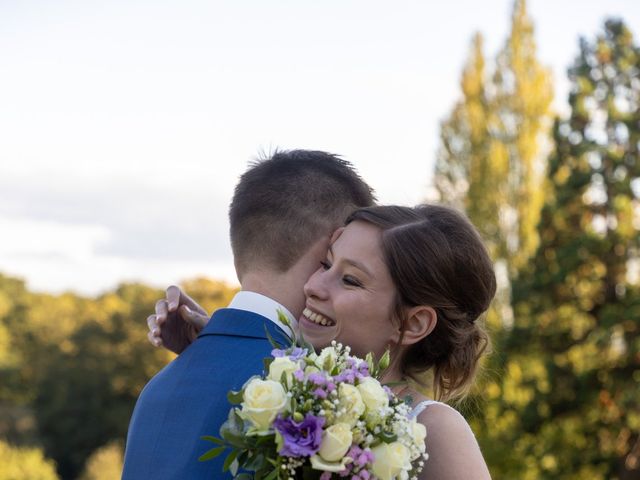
(88, 234)
(119, 219)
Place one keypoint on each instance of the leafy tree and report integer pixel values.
(105, 463)
(20, 463)
(471, 167)
(490, 162)
(93, 374)
(522, 101)
(568, 401)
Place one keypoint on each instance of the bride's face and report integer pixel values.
(350, 297)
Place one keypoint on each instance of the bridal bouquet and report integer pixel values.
(319, 416)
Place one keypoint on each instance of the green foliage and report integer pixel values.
(568, 399)
(72, 367)
(490, 162)
(105, 463)
(24, 463)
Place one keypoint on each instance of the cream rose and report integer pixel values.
(317, 463)
(373, 395)
(282, 365)
(263, 400)
(350, 406)
(391, 459)
(336, 441)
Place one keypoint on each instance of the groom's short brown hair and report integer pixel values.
(283, 204)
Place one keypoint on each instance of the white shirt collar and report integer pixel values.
(265, 306)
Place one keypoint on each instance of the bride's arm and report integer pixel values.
(453, 451)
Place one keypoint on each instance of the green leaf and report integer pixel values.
(243, 476)
(210, 438)
(370, 364)
(229, 460)
(213, 453)
(272, 475)
(264, 439)
(273, 343)
(309, 473)
(383, 364)
(255, 462)
(267, 363)
(388, 437)
(235, 398)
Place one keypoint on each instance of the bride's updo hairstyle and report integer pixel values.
(436, 258)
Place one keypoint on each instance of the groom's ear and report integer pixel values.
(421, 321)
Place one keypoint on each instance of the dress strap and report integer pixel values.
(421, 407)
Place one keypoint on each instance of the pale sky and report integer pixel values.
(124, 125)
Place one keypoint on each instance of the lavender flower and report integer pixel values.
(277, 353)
(298, 353)
(318, 378)
(300, 439)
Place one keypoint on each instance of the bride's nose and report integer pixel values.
(316, 286)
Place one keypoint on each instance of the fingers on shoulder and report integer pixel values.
(173, 294)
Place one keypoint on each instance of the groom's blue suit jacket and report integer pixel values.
(188, 398)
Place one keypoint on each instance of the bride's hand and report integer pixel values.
(177, 321)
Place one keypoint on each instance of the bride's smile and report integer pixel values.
(350, 297)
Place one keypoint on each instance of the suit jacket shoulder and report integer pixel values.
(187, 399)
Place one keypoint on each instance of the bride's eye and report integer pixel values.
(351, 281)
(325, 265)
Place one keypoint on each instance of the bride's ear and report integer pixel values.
(421, 321)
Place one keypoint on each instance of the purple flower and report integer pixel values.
(318, 378)
(360, 457)
(301, 439)
(347, 376)
(298, 375)
(298, 353)
(277, 353)
(325, 476)
(320, 393)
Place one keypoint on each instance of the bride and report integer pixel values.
(416, 281)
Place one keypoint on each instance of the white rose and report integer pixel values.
(390, 460)
(350, 406)
(373, 395)
(282, 365)
(336, 441)
(263, 400)
(317, 463)
(328, 357)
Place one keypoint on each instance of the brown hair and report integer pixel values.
(283, 204)
(436, 257)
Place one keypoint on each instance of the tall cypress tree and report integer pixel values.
(490, 162)
(570, 397)
(523, 96)
(470, 172)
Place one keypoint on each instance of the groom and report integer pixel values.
(282, 214)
